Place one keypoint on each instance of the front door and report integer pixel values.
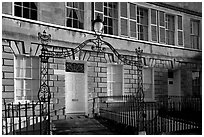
(75, 92)
(174, 83)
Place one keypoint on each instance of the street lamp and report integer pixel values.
(98, 25)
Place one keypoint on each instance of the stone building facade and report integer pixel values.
(169, 34)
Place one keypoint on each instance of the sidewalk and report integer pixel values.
(79, 125)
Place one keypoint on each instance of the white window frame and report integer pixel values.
(23, 78)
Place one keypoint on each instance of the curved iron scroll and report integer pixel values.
(97, 45)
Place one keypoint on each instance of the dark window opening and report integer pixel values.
(170, 74)
(26, 10)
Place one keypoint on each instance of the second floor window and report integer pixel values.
(108, 12)
(195, 37)
(170, 29)
(142, 23)
(75, 14)
(26, 10)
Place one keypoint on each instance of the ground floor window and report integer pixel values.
(148, 83)
(196, 83)
(27, 75)
(114, 80)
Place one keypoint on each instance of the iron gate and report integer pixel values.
(97, 46)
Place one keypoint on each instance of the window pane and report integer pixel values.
(75, 5)
(110, 5)
(27, 84)
(75, 14)
(117, 89)
(35, 62)
(154, 33)
(20, 73)
(28, 95)
(99, 6)
(180, 38)
(34, 14)
(28, 73)
(124, 27)
(170, 22)
(27, 62)
(105, 11)
(145, 33)
(123, 6)
(81, 5)
(132, 11)
(33, 5)
(162, 35)
(132, 29)
(180, 23)
(110, 22)
(18, 11)
(18, 3)
(115, 14)
(110, 12)
(75, 24)
(19, 84)
(161, 18)
(69, 23)
(19, 94)
(196, 42)
(69, 4)
(115, 5)
(35, 73)
(170, 37)
(19, 62)
(153, 16)
(26, 13)
(195, 27)
(35, 85)
(69, 13)
(110, 30)
(26, 4)
(115, 27)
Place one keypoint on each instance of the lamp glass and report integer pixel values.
(98, 27)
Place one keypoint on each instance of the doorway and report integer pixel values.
(174, 82)
(75, 91)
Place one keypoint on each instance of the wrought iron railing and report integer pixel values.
(164, 116)
(22, 118)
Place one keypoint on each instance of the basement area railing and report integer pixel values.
(168, 115)
(22, 118)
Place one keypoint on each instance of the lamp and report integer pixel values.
(98, 25)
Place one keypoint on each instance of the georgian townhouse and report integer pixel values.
(170, 35)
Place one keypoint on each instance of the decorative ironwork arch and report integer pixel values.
(97, 45)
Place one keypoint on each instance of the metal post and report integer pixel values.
(44, 92)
